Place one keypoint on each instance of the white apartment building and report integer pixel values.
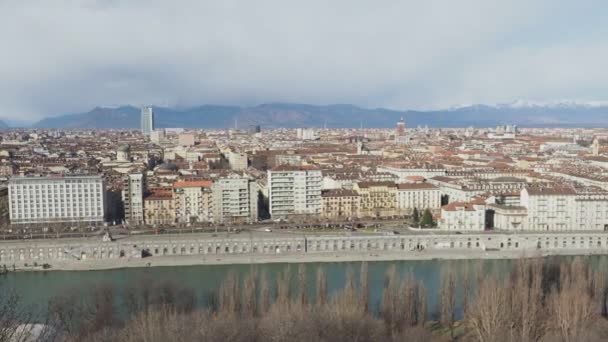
(235, 199)
(463, 216)
(591, 210)
(306, 134)
(294, 190)
(193, 201)
(238, 161)
(56, 198)
(418, 195)
(549, 208)
(133, 198)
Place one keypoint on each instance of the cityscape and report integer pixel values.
(245, 171)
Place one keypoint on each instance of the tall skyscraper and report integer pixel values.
(147, 120)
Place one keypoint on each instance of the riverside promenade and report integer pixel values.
(262, 247)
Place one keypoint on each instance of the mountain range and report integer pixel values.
(273, 115)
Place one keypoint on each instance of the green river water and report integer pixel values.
(37, 288)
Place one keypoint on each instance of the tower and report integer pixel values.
(147, 120)
(596, 146)
(400, 128)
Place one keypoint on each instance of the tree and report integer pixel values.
(416, 216)
(427, 219)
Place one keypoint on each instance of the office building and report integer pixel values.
(56, 198)
(147, 120)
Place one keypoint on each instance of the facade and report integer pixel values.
(591, 210)
(157, 136)
(193, 201)
(306, 134)
(294, 190)
(238, 161)
(56, 198)
(186, 139)
(463, 216)
(378, 199)
(147, 120)
(418, 195)
(4, 206)
(549, 208)
(235, 199)
(509, 217)
(158, 208)
(133, 198)
(123, 154)
(340, 203)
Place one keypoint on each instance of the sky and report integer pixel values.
(66, 56)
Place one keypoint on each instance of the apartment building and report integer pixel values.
(340, 204)
(463, 216)
(193, 201)
(549, 208)
(159, 207)
(294, 190)
(418, 195)
(378, 199)
(56, 198)
(235, 199)
(133, 198)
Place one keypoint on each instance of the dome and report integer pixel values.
(124, 148)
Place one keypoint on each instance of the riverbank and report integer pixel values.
(192, 260)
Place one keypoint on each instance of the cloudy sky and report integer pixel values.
(66, 56)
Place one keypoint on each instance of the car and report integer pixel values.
(268, 230)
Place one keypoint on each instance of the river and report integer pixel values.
(37, 288)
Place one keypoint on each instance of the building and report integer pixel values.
(549, 208)
(463, 216)
(508, 217)
(340, 204)
(400, 129)
(186, 139)
(596, 147)
(306, 134)
(158, 207)
(235, 199)
(193, 201)
(55, 199)
(294, 190)
(123, 154)
(591, 210)
(378, 199)
(157, 136)
(418, 195)
(147, 120)
(238, 161)
(133, 198)
(4, 206)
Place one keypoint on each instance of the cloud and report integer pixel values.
(66, 56)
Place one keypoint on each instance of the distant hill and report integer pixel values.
(3, 124)
(287, 115)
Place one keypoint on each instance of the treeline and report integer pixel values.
(538, 300)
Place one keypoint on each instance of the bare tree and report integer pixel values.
(447, 300)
